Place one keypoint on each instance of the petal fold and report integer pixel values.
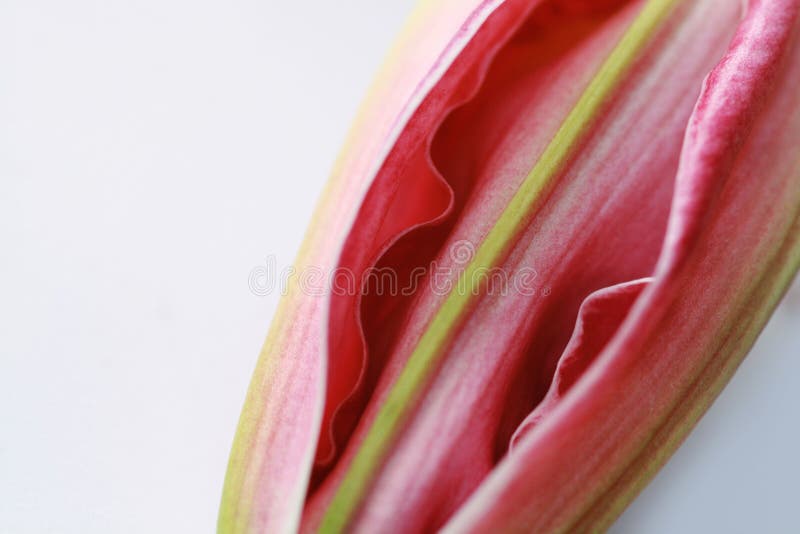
(599, 318)
(272, 455)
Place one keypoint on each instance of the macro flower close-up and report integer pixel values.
(556, 230)
(399, 266)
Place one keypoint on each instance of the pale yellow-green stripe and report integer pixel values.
(425, 356)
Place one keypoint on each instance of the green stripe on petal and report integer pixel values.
(424, 359)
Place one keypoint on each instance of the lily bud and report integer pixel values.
(556, 230)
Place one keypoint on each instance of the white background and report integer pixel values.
(152, 153)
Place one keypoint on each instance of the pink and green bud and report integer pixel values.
(556, 230)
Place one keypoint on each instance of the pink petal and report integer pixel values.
(732, 247)
(272, 455)
(601, 225)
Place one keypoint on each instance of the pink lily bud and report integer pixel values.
(557, 229)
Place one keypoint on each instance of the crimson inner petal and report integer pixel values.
(423, 187)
